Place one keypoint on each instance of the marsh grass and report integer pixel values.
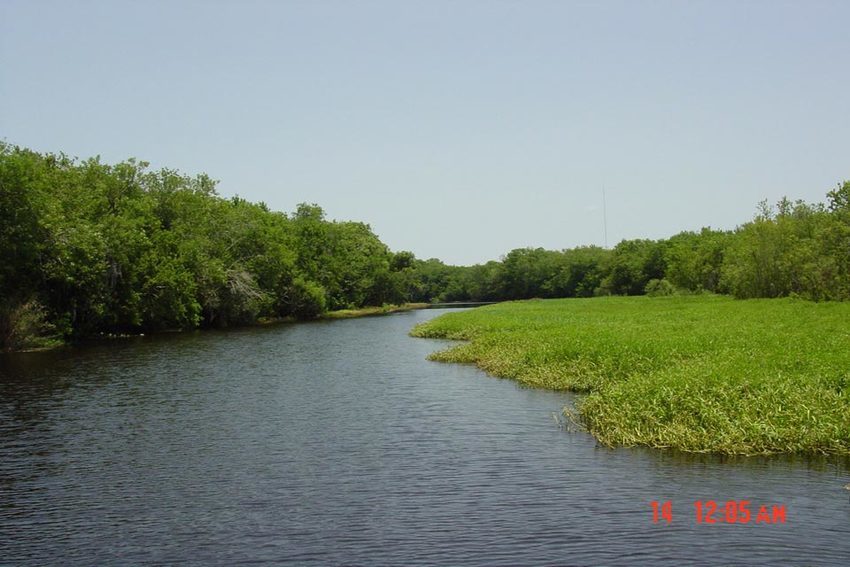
(695, 373)
(371, 311)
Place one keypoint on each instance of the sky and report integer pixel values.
(457, 129)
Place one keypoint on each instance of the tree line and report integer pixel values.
(790, 249)
(88, 247)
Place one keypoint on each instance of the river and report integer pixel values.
(338, 443)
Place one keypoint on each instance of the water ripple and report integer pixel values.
(337, 443)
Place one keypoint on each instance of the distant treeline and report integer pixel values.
(792, 249)
(87, 248)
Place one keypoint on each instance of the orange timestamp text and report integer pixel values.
(729, 512)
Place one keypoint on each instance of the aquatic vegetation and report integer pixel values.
(695, 373)
(371, 311)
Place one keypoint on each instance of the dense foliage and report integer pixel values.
(793, 249)
(87, 247)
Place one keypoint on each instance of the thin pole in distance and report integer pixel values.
(604, 217)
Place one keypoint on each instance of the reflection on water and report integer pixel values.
(338, 443)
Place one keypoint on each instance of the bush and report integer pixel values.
(307, 298)
(656, 288)
(23, 325)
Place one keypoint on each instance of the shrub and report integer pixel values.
(23, 325)
(307, 298)
(655, 288)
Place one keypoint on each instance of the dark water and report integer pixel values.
(338, 443)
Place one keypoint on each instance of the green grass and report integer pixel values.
(698, 373)
(370, 311)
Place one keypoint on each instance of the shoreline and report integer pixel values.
(372, 311)
(369, 311)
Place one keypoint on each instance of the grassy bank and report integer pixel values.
(370, 311)
(699, 373)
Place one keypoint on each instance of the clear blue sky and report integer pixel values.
(460, 129)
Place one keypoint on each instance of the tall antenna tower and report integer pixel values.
(604, 217)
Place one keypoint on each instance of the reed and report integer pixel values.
(371, 311)
(695, 373)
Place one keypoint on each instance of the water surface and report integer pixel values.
(336, 443)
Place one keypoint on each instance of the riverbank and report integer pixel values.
(697, 373)
(372, 311)
(50, 343)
